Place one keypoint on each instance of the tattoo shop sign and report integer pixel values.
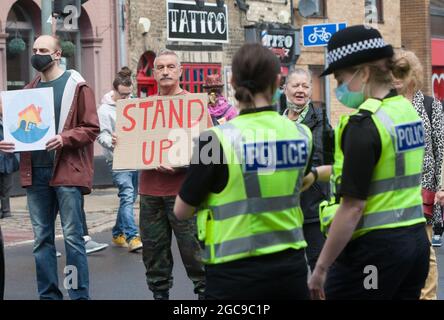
(282, 42)
(188, 22)
(159, 130)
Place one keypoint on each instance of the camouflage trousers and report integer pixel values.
(157, 221)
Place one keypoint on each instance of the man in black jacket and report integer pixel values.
(298, 91)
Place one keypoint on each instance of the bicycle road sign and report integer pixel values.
(318, 35)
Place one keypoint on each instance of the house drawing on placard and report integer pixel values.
(30, 116)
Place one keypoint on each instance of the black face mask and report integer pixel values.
(41, 62)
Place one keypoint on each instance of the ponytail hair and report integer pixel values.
(254, 70)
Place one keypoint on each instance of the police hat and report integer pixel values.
(355, 45)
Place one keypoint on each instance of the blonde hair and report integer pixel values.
(409, 69)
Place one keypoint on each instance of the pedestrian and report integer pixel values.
(248, 216)
(158, 189)
(124, 232)
(91, 246)
(8, 165)
(409, 81)
(298, 91)
(377, 247)
(56, 178)
(219, 108)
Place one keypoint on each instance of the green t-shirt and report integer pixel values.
(43, 158)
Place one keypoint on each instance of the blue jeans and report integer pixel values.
(44, 202)
(126, 182)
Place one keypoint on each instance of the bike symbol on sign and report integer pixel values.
(321, 34)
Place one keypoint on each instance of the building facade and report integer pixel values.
(383, 15)
(176, 25)
(437, 39)
(95, 54)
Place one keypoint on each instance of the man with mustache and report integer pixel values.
(158, 190)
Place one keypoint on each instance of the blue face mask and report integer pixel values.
(349, 98)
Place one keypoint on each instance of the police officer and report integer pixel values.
(377, 247)
(249, 218)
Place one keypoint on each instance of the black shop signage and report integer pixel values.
(283, 43)
(188, 22)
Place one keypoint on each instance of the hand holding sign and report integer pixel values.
(7, 147)
(54, 143)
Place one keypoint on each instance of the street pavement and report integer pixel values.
(115, 274)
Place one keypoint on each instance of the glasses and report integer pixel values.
(170, 67)
(124, 95)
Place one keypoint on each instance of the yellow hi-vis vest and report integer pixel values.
(258, 211)
(394, 198)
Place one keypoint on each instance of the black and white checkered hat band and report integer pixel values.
(342, 52)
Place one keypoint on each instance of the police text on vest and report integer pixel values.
(276, 155)
(409, 136)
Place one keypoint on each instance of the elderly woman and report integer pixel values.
(408, 82)
(298, 91)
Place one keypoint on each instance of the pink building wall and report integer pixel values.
(99, 38)
(99, 41)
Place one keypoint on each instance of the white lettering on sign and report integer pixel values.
(186, 22)
(275, 155)
(409, 136)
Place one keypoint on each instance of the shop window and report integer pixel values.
(321, 6)
(370, 6)
(194, 75)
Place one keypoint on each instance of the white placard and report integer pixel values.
(28, 118)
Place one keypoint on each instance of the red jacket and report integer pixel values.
(79, 128)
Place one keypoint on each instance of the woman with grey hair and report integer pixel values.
(298, 91)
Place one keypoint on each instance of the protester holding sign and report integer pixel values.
(246, 177)
(376, 247)
(158, 189)
(56, 178)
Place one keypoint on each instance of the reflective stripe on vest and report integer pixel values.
(389, 125)
(255, 242)
(375, 219)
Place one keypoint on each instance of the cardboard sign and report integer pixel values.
(28, 118)
(158, 130)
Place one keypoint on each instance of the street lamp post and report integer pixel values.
(46, 17)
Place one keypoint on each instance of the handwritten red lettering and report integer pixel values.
(145, 106)
(173, 113)
(197, 103)
(165, 144)
(127, 116)
(159, 109)
(144, 158)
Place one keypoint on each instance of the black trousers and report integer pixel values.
(394, 262)
(2, 267)
(278, 276)
(315, 241)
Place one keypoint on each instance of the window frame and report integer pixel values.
(191, 71)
